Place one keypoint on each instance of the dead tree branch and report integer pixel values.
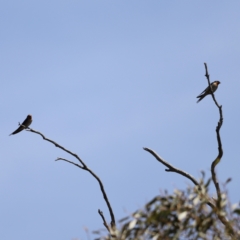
(220, 150)
(104, 221)
(84, 167)
(171, 168)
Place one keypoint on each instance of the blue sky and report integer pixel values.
(105, 79)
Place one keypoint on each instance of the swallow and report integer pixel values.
(26, 123)
(207, 91)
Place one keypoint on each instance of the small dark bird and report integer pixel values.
(207, 91)
(24, 125)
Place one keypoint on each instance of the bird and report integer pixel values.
(26, 123)
(207, 91)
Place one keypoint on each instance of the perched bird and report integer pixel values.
(24, 125)
(207, 91)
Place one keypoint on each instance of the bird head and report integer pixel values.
(218, 82)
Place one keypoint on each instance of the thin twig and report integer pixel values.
(220, 150)
(84, 167)
(170, 167)
(63, 159)
(104, 221)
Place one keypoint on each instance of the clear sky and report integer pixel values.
(105, 79)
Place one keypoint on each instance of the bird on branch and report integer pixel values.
(207, 91)
(24, 124)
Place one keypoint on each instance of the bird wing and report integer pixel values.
(203, 92)
(17, 130)
(213, 86)
(24, 124)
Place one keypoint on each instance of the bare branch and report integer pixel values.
(218, 158)
(171, 168)
(104, 221)
(220, 150)
(84, 167)
(57, 145)
(63, 159)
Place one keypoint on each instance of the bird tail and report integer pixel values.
(200, 98)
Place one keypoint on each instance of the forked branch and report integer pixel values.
(84, 167)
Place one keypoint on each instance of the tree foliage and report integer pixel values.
(182, 215)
